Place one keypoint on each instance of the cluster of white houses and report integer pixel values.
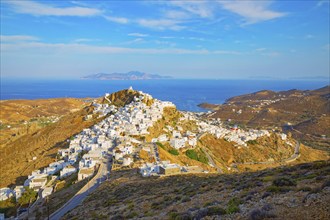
(177, 140)
(234, 134)
(113, 135)
(89, 147)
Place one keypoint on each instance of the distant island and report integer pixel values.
(132, 75)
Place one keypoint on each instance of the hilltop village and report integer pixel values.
(119, 138)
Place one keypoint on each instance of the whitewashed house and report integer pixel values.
(127, 160)
(118, 154)
(85, 173)
(38, 183)
(178, 143)
(18, 191)
(5, 193)
(67, 171)
(46, 192)
(149, 169)
(176, 134)
(162, 138)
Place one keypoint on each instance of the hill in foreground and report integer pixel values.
(294, 192)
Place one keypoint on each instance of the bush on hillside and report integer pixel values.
(174, 152)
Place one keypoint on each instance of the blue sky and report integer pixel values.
(184, 39)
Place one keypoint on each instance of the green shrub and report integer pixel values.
(174, 152)
(277, 189)
(199, 156)
(29, 196)
(192, 154)
(233, 205)
(215, 210)
(284, 181)
(252, 142)
(160, 144)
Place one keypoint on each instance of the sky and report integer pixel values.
(216, 39)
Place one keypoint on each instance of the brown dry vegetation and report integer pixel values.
(27, 116)
(170, 117)
(293, 192)
(43, 144)
(266, 149)
(307, 111)
(182, 159)
(16, 110)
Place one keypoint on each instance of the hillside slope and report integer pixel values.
(43, 144)
(304, 113)
(20, 117)
(296, 192)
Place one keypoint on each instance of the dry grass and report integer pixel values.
(43, 144)
(127, 195)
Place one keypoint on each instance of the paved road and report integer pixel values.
(156, 153)
(77, 199)
(293, 157)
(219, 170)
(211, 161)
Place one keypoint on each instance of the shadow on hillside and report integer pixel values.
(19, 181)
(199, 195)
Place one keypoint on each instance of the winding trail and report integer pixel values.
(211, 161)
(294, 156)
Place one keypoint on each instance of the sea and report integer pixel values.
(186, 94)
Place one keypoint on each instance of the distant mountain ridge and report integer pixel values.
(132, 75)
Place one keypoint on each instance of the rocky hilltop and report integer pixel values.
(132, 75)
(305, 114)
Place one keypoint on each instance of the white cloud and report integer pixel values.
(36, 48)
(138, 35)
(167, 37)
(137, 40)
(80, 40)
(175, 14)
(15, 38)
(199, 8)
(160, 24)
(197, 38)
(168, 43)
(261, 49)
(119, 20)
(38, 9)
(252, 11)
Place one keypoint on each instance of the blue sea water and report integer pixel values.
(185, 94)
